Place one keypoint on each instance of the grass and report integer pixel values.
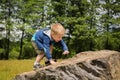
(10, 68)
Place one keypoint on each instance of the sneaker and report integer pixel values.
(47, 63)
(37, 66)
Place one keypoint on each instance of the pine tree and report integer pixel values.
(109, 21)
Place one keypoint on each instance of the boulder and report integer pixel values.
(89, 65)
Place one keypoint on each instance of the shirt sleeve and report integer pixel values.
(39, 40)
(46, 46)
(64, 46)
(39, 44)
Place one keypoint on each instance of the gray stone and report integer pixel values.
(89, 65)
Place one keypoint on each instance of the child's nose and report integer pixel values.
(60, 38)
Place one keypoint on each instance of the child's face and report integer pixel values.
(57, 37)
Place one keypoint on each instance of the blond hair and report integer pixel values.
(57, 28)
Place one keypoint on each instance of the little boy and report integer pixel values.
(43, 41)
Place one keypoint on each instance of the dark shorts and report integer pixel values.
(36, 48)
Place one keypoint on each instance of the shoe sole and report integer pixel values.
(38, 68)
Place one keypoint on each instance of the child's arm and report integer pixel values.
(48, 54)
(64, 46)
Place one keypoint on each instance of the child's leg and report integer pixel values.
(51, 48)
(40, 54)
(39, 58)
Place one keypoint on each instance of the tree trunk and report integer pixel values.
(8, 31)
(7, 45)
(21, 45)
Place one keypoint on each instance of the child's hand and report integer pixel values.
(66, 52)
(52, 62)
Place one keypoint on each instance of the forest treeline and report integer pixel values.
(90, 25)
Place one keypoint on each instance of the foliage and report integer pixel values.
(90, 25)
(28, 51)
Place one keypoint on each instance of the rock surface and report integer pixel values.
(90, 65)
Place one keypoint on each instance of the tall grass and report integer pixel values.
(10, 68)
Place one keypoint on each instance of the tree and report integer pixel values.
(76, 20)
(109, 21)
(92, 22)
(6, 20)
(30, 13)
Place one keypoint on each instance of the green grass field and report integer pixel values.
(10, 68)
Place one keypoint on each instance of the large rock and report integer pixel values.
(90, 65)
